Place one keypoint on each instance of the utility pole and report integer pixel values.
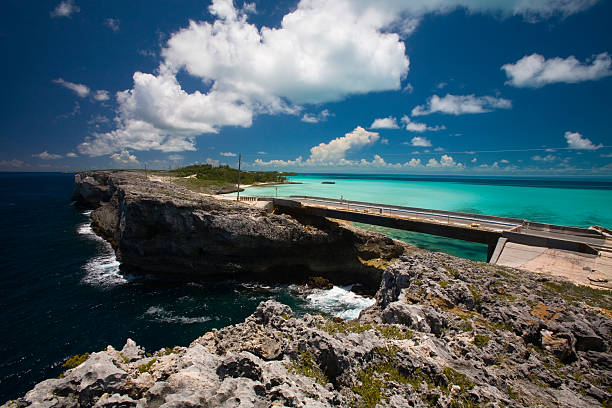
(239, 160)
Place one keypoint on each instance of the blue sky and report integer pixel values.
(416, 87)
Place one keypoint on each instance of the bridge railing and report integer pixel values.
(383, 209)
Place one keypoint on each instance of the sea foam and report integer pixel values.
(339, 302)
(160, 314)
(103, 269)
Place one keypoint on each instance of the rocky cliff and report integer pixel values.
(166, 229)
(444, 332)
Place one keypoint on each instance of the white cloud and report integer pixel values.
(112, 23)
(534, 71)
(101, 95)
(408, 88)
(175, 157)
(250, 8)
(413, 163)
(320, 117)
(335, 151)
(606, 155)
(212, 162)
(420, 141)
(384, 141)
(385, 123)
(71, 154)
(262, 152)
(547, 159)
(228, 154)
(461, 104)
(47, 156)
(445, 161)
(322, 51)
(81, 90)
(576, 141)
(474, 160)
(15, 163)
(65, 9)
(504, 161)
(124, 157)
(419, 127)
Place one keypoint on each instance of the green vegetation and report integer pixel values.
(456, 378)
(146, 367)
(228, 175)
(351, 326)
(466, 326)
(75, 361)
(481, 341)
(369, 390)
(577, 293)
(307, 366)
(124, 358)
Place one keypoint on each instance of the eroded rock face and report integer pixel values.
(445, 332)
(166, 229)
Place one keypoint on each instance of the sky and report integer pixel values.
(466, 87)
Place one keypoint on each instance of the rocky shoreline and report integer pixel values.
(444, 331)
(166, 229)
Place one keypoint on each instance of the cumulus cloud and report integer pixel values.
(101, 95)
(124, 157)
(461, 104)
(14, 163)
(65, 9)
(320, 117)
(547, 159)
(71, 154)
(228, 154)
(212, 162)
(112, 23)
(335, 151)
(420, 141)
(576, 141)
(385, 123)
(81, 90)
(446, 161)
(419, 127)
(322, 51)
(534, 71)
(47, 156)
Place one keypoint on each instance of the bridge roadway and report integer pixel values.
(492, 231)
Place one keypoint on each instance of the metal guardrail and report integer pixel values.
(392, 209)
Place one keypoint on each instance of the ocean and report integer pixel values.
(577, 202)
(62, 293)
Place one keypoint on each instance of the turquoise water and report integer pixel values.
(565, 202)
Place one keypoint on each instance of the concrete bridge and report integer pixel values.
(579, 254)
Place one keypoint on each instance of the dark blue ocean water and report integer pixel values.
(61, 294)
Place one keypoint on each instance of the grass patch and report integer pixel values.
(481, 341)
(146, 367)
(395, 332)
(75, 360)
(369, 389)
(578, 293)
(466, 326)
(307, 366)
(456, 378)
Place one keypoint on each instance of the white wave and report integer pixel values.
(161, 315)
(103, 269)
(339, 302)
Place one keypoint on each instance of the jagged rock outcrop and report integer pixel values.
(166, 229)
(444, 332)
